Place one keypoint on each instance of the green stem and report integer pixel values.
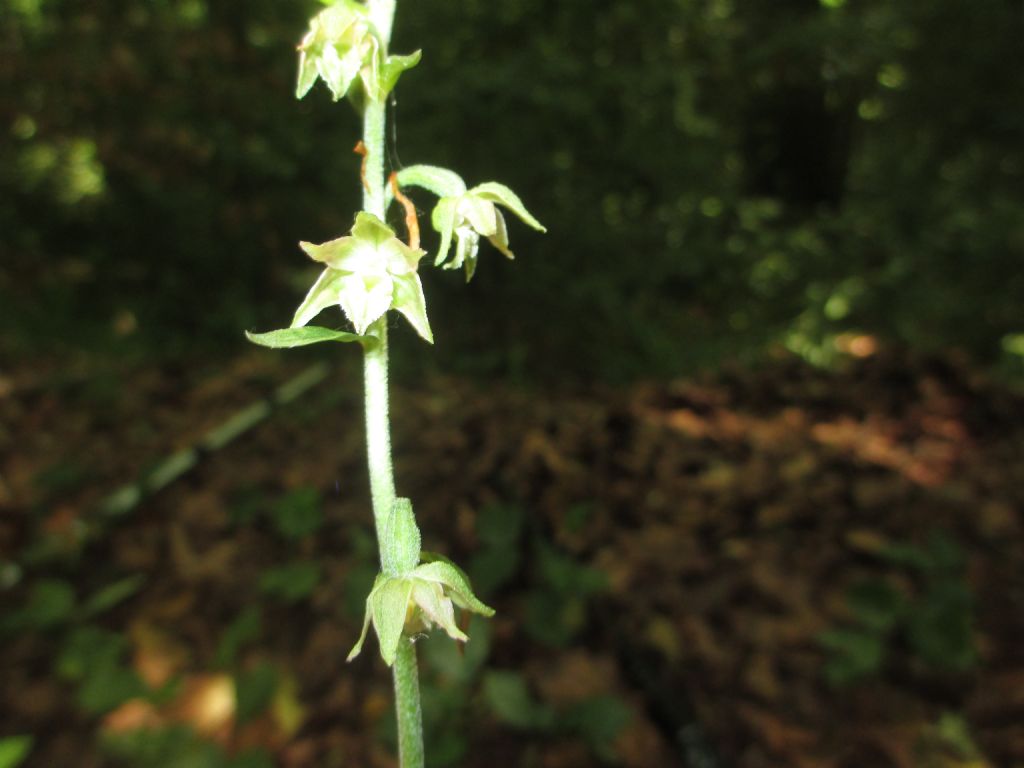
(378, 429)
(407, 706)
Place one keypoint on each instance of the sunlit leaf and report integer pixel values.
(394, 67)
(14, 750)
(287, 338)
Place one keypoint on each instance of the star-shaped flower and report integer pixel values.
(367, 273)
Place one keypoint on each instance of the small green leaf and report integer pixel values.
(50, 602)
(440, 181)
(599, 721)
(492, 568)
(876, 604)
(511, 702)
(287, 338)
(253, 691)
(107, 687)
(244, 629)
(390, 603)
(297, 514)
(87, 648)
(14, 750)
(112, 594)
(401, 546)
(854, 654)
(499, 193)
(291, 582)
(252, 758)
(940, 627)
(499, 525)
(393, 68)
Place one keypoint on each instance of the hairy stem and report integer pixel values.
(378, 428)
(407, 707)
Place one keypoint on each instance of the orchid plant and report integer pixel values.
(367, 273)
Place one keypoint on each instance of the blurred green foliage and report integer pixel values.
(177, 747)
(717, 177)
(934, 622)
(14, 750)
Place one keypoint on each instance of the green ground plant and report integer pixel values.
(933, 621)
(367, 273)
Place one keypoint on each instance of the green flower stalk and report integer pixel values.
(367, 273)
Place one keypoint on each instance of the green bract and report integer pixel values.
(408, 598)
(368, 273)
(473, 214)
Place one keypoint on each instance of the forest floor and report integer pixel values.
(780, 567)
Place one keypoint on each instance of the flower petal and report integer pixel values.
(429, 596)
(443, 220)
(499, 193)
(446, 573)
(480, 213)
(500, 237)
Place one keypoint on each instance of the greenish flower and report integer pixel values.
(416, 601)
(341, 44)
(408, 598)
(367, 273)
(474, 214)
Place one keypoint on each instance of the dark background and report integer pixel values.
(718, 178)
